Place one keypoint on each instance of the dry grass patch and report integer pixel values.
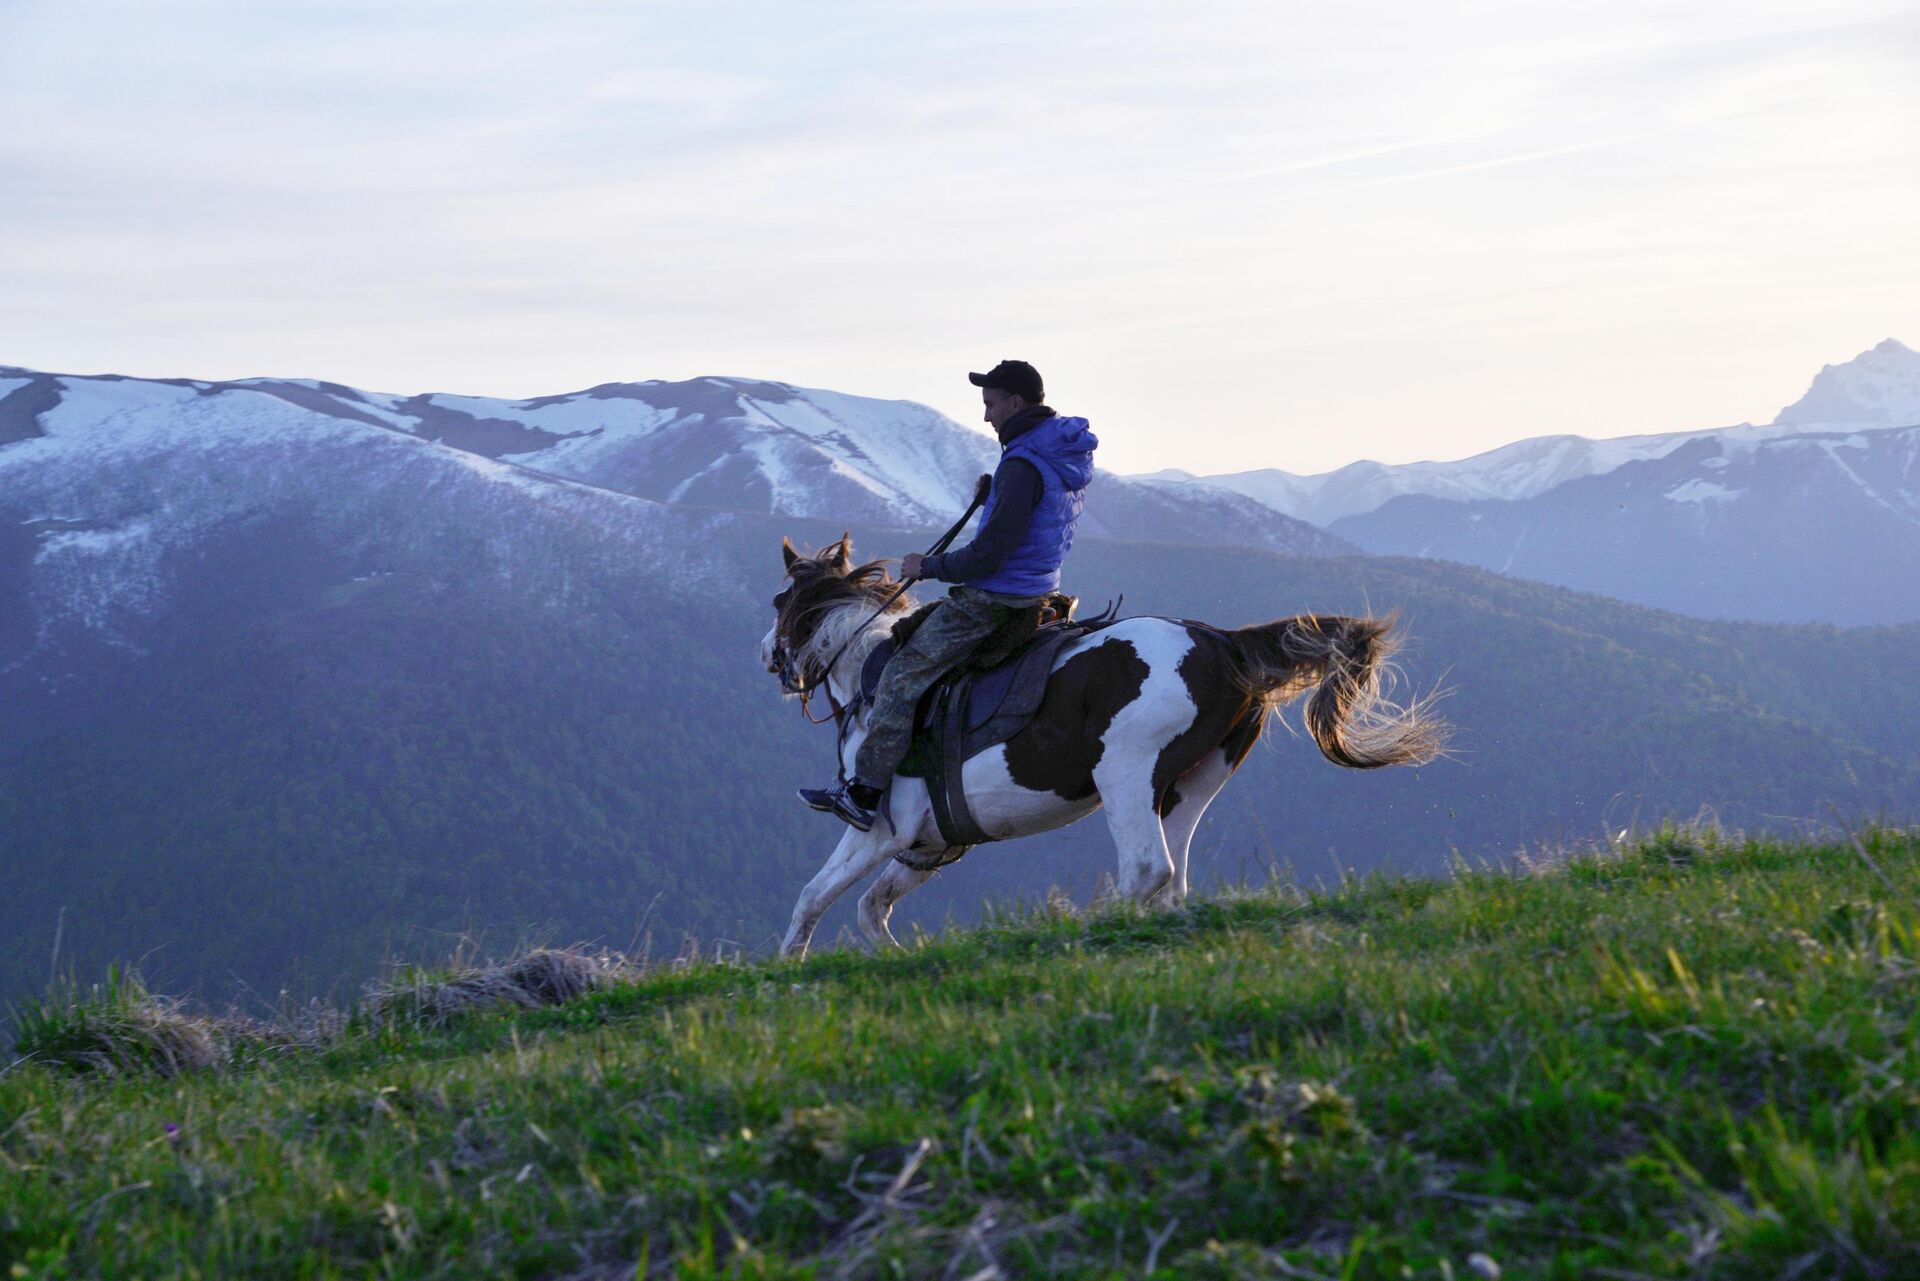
(119, 1026)
(543, 976)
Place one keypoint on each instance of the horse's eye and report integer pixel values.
(780, 601)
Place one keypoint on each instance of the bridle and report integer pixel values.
(793, 680)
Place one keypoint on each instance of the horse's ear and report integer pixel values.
(787, 553)
(843, 551)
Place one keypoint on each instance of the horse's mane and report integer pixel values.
(830, 601)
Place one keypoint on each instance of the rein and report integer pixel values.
(806, 699)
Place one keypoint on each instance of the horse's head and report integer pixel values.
(796, 648)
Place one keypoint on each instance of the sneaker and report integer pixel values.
(841, 803)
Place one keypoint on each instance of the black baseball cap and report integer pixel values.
(1016, 376)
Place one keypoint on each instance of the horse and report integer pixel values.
(1148, 717)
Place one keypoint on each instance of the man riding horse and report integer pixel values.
(1144, 718)
(1012, 564)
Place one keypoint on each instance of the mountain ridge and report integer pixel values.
(1880, 388)
(726, 443)
(1814, 517)
(1816, 526)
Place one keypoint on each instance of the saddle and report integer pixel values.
(982, 702)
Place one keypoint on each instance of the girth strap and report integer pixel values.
(949, 792)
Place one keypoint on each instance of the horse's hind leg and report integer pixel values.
(1193, 792)
(1146, 867)
(876, 905)
(857, 855)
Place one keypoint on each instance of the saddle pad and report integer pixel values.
(999, 701)
(990, 685)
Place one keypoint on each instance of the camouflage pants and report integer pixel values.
(963, 620)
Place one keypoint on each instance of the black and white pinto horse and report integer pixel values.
(1148, 717)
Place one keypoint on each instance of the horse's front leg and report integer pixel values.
(857, 855)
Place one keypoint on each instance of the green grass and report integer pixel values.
(1691, 1058)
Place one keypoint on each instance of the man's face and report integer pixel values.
(1001, 405)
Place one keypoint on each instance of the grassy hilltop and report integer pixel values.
(1692, 1057)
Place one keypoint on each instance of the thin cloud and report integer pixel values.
(1495, 162)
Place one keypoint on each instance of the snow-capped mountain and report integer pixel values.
(1878, 388)
(1811, 527)
(116, 493)
(1810, 518)
(752, 445)
(731, 443)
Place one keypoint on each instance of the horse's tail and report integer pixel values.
(1347, 664)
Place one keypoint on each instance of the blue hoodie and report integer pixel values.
(1061, 450)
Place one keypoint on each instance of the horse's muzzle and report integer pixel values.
(782, 666)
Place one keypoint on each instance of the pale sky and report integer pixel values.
(1232, 235)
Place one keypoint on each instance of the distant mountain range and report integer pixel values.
(292, 676)
(1879, 388)
(1819, 526)
(1814, 517)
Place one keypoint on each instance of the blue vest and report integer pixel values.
(1061, 450)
